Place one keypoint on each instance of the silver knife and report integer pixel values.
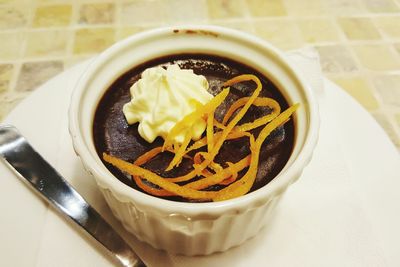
(28, 164)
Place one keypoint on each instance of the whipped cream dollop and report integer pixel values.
(162, 97)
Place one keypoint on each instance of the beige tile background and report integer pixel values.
(358, 40)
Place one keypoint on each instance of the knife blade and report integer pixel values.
(37, 172)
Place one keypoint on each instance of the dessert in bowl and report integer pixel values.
(114, 140)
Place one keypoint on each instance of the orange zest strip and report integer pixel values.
(220, 176)
(234, 134)
(265, 119)
(188, 120)
(243, 185)
(154, 152)
(210, 131)
(151, 190)
(158, 180)
(215, 167)
(232, 178)
(145, 187)
(259, 102)
(190, 175)
(197, 160)
(257, 122)
(218, 124)
(149, 155)
(180, 152)
(234, 175)
(278, 121)
(235, 120)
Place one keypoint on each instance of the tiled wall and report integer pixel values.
(358, 40)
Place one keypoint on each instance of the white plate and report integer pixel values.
(344, 210)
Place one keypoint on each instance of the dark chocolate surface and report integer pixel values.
(113, 135)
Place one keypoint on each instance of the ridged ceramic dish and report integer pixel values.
(192, 228)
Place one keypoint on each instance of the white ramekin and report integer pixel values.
(191, 228)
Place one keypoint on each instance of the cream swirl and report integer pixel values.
(162, 97)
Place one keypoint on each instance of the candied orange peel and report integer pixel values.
(206, 172)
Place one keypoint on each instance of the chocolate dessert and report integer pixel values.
(113, 135)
